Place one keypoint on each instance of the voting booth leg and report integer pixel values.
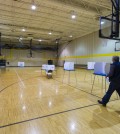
(85, 75)
(41, 71)
(93, 83)
(69, 78)
(76, 78)
(56, 71)
(63, 76)
(91, 77)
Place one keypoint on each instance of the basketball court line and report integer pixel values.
(17, 82)
(19, 78)
(57, 113)
(49, 115)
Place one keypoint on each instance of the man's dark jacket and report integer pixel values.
(114, 74)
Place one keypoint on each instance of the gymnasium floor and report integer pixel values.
(32, 104)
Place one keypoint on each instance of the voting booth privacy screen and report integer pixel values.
(107, 68)
(69, 66)
(90, 65)
(101, 68)
(21, 64)
(44, 66)
(48, 67)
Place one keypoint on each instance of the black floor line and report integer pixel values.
(49, 115)
(79, 89)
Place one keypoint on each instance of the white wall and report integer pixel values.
(88, 48)
(13, 56)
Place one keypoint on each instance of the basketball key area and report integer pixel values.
(30, 103)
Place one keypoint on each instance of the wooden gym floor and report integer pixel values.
(32, 104)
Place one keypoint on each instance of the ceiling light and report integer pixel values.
(73, 15)
(33, 6)
(102, 22)
(40, 40)
(50, 33)
(20, 38)
(70, 36)
(24, 107)
(23, 30)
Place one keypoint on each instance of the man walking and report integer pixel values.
(114, 78)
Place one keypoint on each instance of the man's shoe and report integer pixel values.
(100, 102)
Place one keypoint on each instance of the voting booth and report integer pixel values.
(21, 64)
(44, 66)
(107, 68)
(69, 66)
(101, 69)
(90, 65)
(48, 69)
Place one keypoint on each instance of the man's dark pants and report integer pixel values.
(112, 87)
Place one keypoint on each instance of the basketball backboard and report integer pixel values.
(108, 28)
(109, 25)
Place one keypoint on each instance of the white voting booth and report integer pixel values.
(107, 68)
(69, 66)
(44, 67)
(21, 64)
(48, 67)
(90, 65)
